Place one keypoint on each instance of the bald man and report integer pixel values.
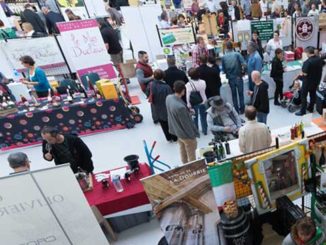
(253, 136)
(260, 98)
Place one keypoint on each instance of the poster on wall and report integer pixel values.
(176, 36)
(183, 201)
(45, 211)
(283, 25)
(76, 6)
(264, 28)
(87, 51)
(44, 51)
(306, 31)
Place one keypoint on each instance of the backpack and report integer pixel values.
(195, 97)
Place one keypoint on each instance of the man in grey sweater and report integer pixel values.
(181, 123)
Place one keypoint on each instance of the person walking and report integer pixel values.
(255, 62)
(181, 124)
(196, 98)
(312, 70)
(260, 98)
(277, 75)
(211, 77)
(232, 64)
(159, 90)
(274, 44)
(253, 136)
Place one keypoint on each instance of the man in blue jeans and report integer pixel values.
(255, 62)
(233, 63)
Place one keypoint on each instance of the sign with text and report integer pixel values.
(176, 36)
(306, 31)
(87, 51)
(264, 28)
(76, 6)
(44, 51)
(183, 201)
(36, 208)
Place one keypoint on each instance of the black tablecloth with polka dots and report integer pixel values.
(91, 116)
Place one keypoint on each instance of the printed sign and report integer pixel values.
(176, 36)
(306, 31)
(44, 51)
(264, 28)
(87, 51)
(76, 6)
(183, 201)
(48, 208)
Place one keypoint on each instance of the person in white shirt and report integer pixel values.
(253, 136)
(164, 23)
(297, 13)
(263, 6)
(313, 11)
(211, 6)
(197, 85)
(274, 44)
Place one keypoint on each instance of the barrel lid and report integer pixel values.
(229, 221)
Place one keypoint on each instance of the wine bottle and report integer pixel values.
(4, 103)
(69, 97)
(322, 157)
(227, 148)
(49, 96)
(221, 150)
(82, 90)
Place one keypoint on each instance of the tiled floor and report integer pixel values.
(110, 148)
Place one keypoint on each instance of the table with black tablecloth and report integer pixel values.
(82, 117)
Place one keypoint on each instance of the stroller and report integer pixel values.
(292, 98)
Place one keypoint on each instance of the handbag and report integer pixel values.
(195, 97)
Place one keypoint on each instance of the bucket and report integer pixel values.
(209, 157)
(132, 161)
(236, 230)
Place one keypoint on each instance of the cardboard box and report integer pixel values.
(107, 89)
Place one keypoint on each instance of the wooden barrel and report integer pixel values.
(236, 230)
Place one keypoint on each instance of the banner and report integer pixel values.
(87, 51)
(283, 25)
(264, 28)
(306, 31)
(95, 8)
(76, 6)
(176, 36)
(183, 201)
(47, 207)
(44, 51)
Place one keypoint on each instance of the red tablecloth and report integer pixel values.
(109, 201)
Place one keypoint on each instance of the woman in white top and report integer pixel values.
(197, 85)
(274, 44)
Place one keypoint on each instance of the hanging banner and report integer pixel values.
(76, 6)
(184, 203)
(264, 28)
(306, 31)
(44, 51)
(176, 36)
(87, 51)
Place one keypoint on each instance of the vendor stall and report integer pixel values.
(23, 128)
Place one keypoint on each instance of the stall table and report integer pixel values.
(108, 201)
(84, 117)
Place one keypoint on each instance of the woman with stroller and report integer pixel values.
(277, 75)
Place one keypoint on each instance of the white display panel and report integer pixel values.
(44, 51)
(46, 206)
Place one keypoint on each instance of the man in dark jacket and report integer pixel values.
(260, 98)
(51, 19)
(211, 76)
(159, 90)
(29, 15)
(173, 74)
(66, 149)
(312, 70)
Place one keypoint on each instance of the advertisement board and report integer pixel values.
(264, 28)
(36, 208)
(176, 36)
(86, 48)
